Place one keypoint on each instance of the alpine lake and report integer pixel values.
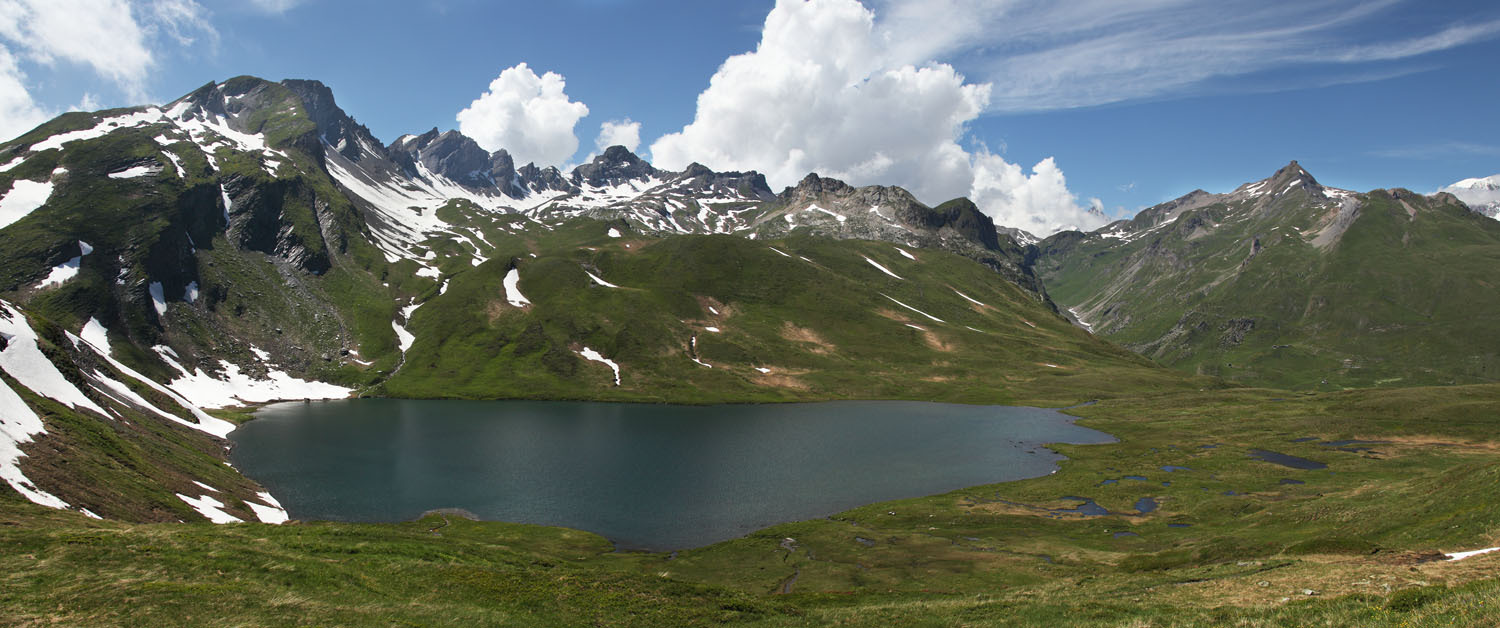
(652, 477)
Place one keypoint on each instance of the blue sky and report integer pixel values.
(1134, 102)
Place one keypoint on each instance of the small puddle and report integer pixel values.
(1291, 481)
(1170, 468)
(1285, 460)
(1304, 439)
(1138, 478)
(1088, 508)
(1145, 505)
(1179, 525)
(1119, 535)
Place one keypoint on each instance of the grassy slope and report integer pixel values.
(1399, 299)
(1355, 533)
(820, 324)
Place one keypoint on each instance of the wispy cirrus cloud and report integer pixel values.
(1438, 150)
(274, 6)
(1056, 55)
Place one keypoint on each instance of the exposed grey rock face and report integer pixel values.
(617, 165)
(699, 178)
(450, 154)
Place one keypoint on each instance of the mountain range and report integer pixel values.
(1481, 194)
(1288, 283)
(251, 242)
(161, 267)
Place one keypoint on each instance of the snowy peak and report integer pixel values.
(1290, 177)
(1481, 184)
(1481, 194)
(1293, 174)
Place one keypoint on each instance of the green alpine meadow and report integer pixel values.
(816, 353)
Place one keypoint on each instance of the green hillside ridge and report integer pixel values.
(1296, 289)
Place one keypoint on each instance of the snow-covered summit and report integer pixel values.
(1482, 194)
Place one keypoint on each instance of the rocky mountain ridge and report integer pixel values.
(1287, 282)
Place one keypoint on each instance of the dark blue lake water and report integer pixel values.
(646, 476)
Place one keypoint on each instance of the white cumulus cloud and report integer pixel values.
(116, 40)
(528, 115)
(625, 133)
(18, 112)
(824, 92)
(100, 34)
(1039, 203)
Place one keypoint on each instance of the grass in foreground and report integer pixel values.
(1359, 535)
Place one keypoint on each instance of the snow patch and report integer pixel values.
(96, 335)
(970, 299)
(23, 198)
(104, 127)
(158, 298)
(815, 208)
(404, 338)
(18, 423)
(209, 507)
(208, 424)
(190, 294)
(23, 359)
(693, 343)
(763, 370)
(614, 233)
(905, 254)
(138, 171)
(912, 308)
(595, 356)
(273, 514)
(234, 388)
(882, 268)
(67, 270)
(599, 281)
(1086, 327)
(1471, 553)
(513, 289)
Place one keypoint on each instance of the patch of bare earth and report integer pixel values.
(795, 333)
